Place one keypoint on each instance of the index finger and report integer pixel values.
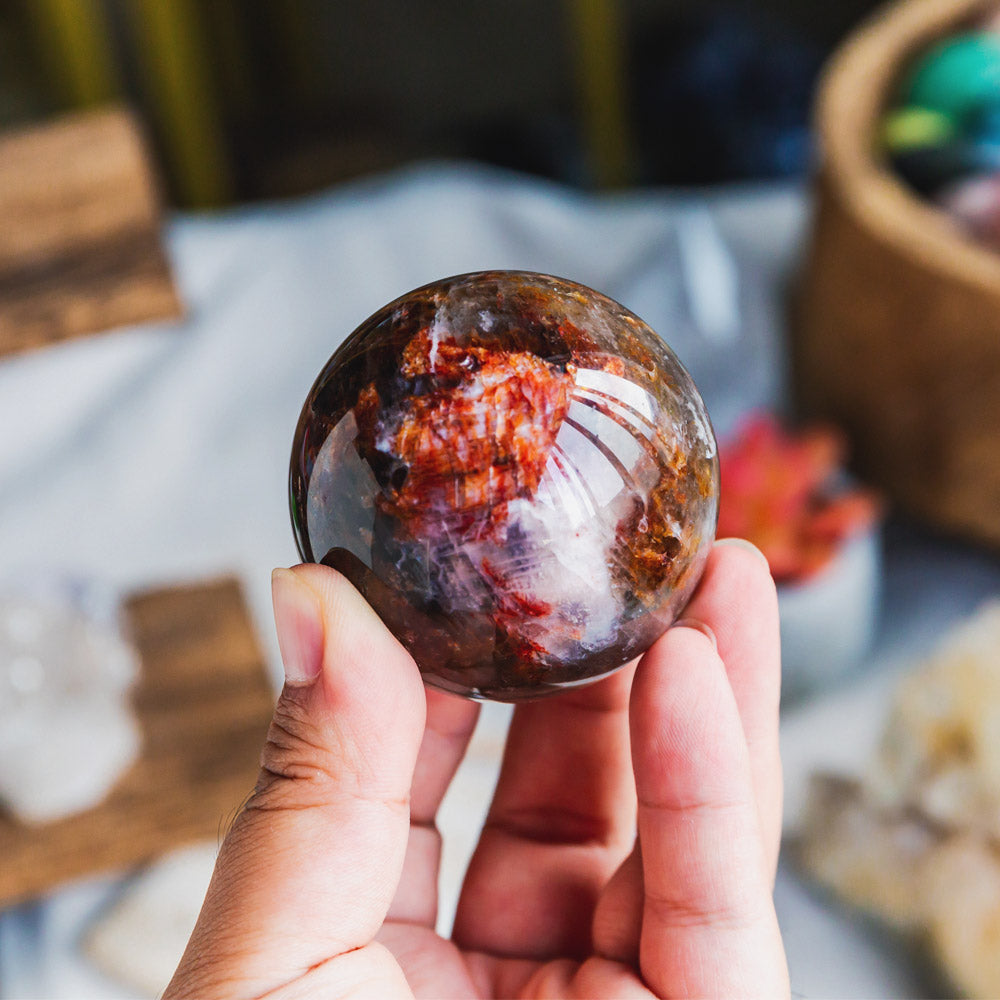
(708, 921)
(737, 600)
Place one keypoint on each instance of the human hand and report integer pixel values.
(326, 885)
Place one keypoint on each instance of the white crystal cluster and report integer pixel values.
(914, 842)
(66, 728)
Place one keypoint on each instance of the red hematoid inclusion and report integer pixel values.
(475, 434)
(480, 437)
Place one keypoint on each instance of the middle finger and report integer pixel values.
(450, 724)
(562, 819)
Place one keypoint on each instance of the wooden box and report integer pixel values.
(896, 332)
(80, 231)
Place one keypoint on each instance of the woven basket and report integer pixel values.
(896, 331)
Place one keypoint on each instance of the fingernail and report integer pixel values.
(742, 543)
(299, 627)
(699, 627)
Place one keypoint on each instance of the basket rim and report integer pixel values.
(852, 95)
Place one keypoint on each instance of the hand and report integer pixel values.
(326, 885)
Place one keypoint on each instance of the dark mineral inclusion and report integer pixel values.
(517, 474)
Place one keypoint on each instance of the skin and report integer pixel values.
(326, 885)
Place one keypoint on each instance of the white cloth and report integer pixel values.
(160, 454)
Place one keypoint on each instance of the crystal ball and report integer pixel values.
(517, 474)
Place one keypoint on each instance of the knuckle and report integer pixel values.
(697, 808)
(308, 762)
(724, 913)
(299, 762)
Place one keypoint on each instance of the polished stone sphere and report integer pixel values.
(516, 473)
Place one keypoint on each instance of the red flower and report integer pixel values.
(785, 493)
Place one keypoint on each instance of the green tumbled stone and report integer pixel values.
(958, 76)
(916, 128)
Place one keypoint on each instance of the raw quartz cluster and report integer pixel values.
(517, 474)
(67, 731)
(914, 840)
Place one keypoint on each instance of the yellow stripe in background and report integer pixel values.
(173, 53)
(599, 43)
(75, 44)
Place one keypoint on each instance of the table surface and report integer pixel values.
(157, 455)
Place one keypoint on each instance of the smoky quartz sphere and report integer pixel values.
(517, 474)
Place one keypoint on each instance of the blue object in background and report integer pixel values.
(984, 125)
(927, 170)
(718, 96)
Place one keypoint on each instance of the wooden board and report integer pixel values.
(80, 247)
(204, 703)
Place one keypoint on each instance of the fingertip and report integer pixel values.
(699, 626)
(743, 564)
(680, 690)
(738, 600)
(298, 622)
(360, 659)
(346, 613)
(744, 545)
(339, 598)
(689, 644)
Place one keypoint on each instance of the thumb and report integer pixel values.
(310, 866)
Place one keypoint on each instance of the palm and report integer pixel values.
(629, 849)
(562, 821)
(442, 969)
(556, 901)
